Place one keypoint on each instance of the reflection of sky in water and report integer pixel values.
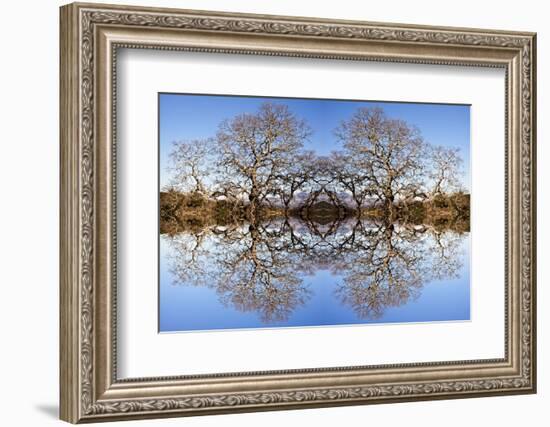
(186, 307)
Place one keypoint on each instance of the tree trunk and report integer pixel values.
(253, 199)
(389, 206)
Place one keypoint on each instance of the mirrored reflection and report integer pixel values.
(308, 212)
(276, 269)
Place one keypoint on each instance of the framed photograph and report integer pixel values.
(266, 212)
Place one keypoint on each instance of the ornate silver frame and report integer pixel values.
(90, 36)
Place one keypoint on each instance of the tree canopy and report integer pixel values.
(259, 158)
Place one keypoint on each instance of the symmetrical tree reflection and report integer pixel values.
(252, 214)
(266, 268)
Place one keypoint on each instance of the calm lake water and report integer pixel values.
(289, 273)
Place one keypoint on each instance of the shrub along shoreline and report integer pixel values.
(194, 211)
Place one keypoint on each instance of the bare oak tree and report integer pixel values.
(356, 181)
(390, 152)
(294, 178)
(191, 164)
(257, 148)
(256, 164)
(445, 170)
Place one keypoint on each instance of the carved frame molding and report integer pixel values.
(90, 36)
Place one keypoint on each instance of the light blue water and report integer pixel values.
(238, 281)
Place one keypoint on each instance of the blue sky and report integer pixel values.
(183, 116)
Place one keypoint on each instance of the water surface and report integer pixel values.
(290, 272)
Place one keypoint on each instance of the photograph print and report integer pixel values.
(292, 212)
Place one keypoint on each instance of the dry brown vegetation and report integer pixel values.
(255, 168)
(193, 211)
